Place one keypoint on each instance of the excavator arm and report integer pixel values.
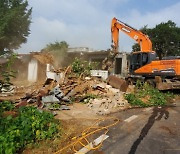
(142, 39)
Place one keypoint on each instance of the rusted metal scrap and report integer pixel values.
(97, 87)
(117, 82)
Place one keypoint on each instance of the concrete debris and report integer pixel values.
(114, 90)
(64, 107)
(113, 102)
(108, 86)
(87, 78)
(59, 94)
(55, 95)
(52, 74)
(49, 98)
(6, 90)
(100, 73)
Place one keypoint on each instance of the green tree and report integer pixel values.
(59, 52)
(57, 46)
(15, 19)
(165, 38)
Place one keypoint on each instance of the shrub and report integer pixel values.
(83, 67)
(145, 95)
(30, 125)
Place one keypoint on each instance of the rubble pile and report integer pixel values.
(100, 97)
(112, 101)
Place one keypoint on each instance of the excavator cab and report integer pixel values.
(139, 59)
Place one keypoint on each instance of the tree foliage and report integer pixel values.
(81, 67)
(59, 52)
(165, 38)
(54, 47)
(15, 19)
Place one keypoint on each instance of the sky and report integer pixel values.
(86, 23)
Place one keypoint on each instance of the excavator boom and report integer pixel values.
(142, 39)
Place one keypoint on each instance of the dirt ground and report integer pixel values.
(71, 128)
(74, 122)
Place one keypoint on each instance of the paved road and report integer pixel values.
(145, 131)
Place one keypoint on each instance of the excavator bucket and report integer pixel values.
(117, 82)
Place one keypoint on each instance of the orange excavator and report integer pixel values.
(144, 64)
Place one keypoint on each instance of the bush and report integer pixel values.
(83, 67)
(6, 106)
(30, 125)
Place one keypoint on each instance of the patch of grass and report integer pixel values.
(145, 96)
(133, 100)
